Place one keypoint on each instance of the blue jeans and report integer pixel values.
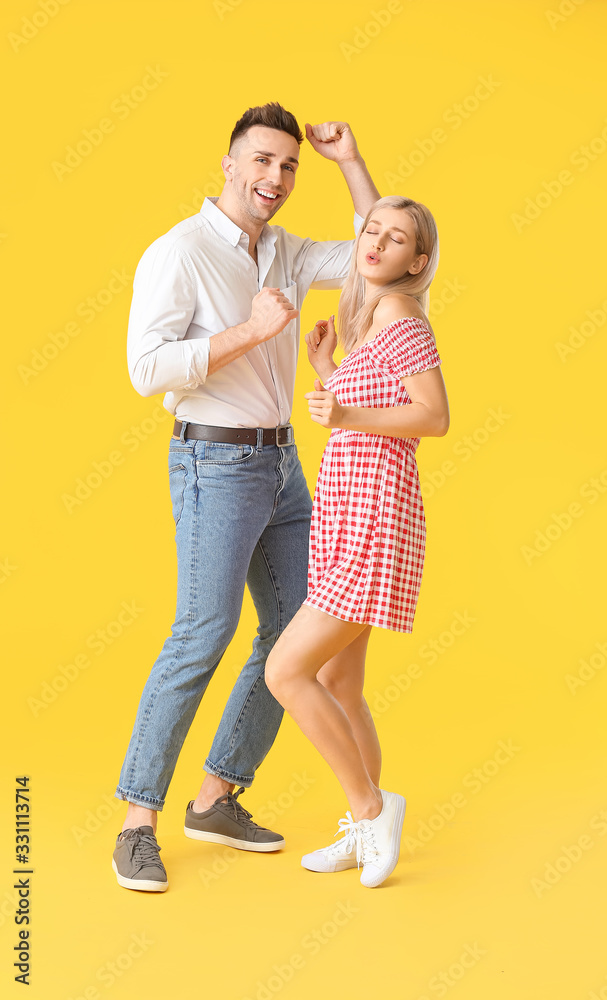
(242, 515)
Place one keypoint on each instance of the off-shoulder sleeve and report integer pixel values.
(404, 348)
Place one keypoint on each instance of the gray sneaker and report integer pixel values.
(136, 861)
(227, 822)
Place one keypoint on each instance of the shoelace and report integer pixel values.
(240, 813)
(347, 827)
(360, 834)
(143, 847)
(369, 849)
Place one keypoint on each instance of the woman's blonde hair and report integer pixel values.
(356, 315)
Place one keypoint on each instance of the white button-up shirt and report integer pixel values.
(199, 279)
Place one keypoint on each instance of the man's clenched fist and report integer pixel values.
(334, 140)
(270, 313)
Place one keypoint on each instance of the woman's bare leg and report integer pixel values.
(311, 639)
(344, 677)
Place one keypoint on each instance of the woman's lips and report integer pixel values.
(372, 258)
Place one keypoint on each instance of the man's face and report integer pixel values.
(262, 171)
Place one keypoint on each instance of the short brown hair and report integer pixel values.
(271, 115)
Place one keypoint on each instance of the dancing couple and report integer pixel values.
(214, 325)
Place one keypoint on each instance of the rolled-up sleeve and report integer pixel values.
(159, 357)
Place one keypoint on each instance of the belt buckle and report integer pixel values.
(288, 429)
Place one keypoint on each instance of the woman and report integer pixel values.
(368, 531)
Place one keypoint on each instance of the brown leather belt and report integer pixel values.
(279, 436)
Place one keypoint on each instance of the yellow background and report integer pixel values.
(238, 925)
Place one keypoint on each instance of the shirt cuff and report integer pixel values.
(199, 364)
(358, 221)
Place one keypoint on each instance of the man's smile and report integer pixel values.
(265, 195)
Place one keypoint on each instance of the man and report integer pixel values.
(214, 325)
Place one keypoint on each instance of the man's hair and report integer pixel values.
(271, 115)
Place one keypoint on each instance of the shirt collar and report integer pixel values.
(228, 229)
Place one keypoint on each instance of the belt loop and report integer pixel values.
(259, 446)
(183, 430)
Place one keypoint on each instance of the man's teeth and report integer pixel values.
(266, 194)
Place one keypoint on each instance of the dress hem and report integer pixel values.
(357, 621)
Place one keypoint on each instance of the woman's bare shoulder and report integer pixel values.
(396, 305)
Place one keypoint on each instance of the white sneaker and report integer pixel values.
(338, 856)
(379, 840)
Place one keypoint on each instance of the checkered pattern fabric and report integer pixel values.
(368, 532)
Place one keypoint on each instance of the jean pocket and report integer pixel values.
(220, 453)
(177, 486)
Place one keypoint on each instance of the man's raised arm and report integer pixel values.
(335, 141)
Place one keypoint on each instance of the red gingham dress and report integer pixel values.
(368, 532)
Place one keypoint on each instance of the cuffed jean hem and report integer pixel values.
(139, 800)
(219, 772)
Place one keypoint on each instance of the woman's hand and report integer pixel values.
(321, 343)
(323, 406)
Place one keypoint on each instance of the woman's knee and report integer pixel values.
(281, 676)
(343, 689)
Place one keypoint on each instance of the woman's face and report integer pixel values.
(386, 249)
